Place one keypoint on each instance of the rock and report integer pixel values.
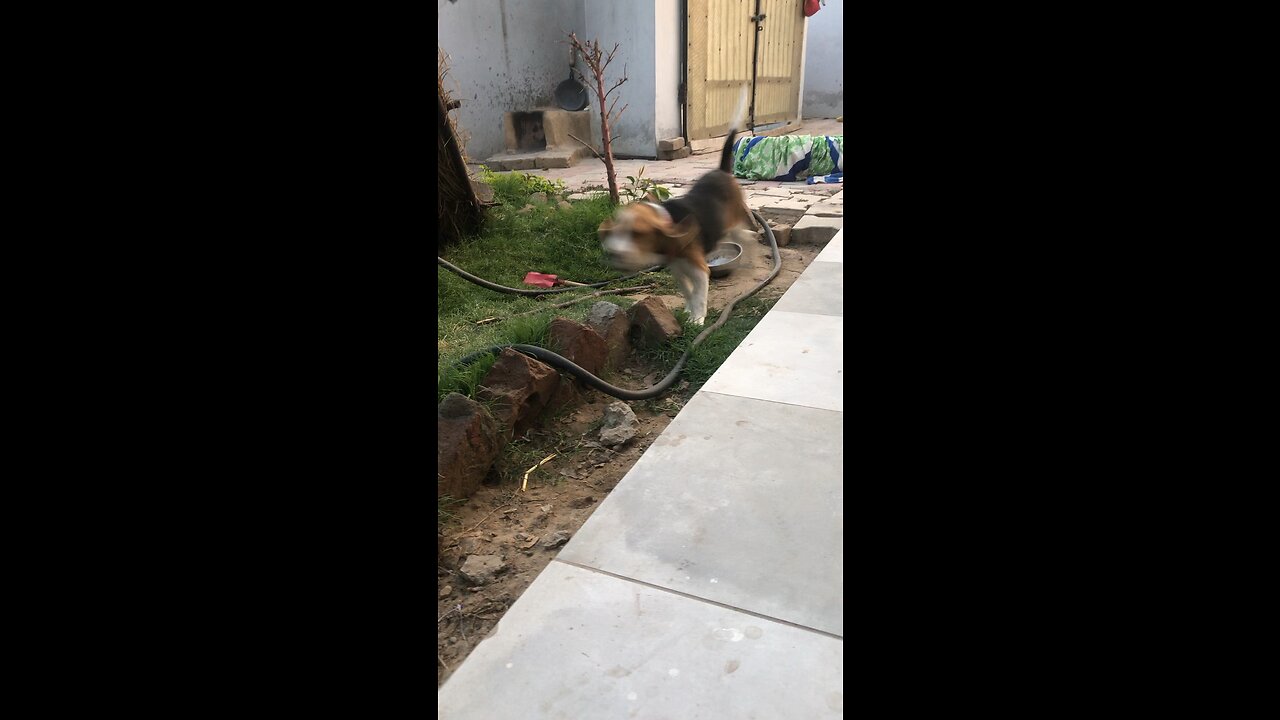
(484, 191)
(564, 205)
(469, 545)
(620, 424)
(520, 388)
(652, 323)
(612, 324)
(445, 592)
(579, 343)
(556, 539)
(671, 144)
(525, 210)
(482, 569)
(539, 198)
(582, 502)
(468, 440)
(781, 233)
(567, 395)
(683, 152)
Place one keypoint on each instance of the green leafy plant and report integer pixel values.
(514, 188)
(640, 186)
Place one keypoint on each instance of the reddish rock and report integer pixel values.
(578, 343)
(652, 323)
(612, 324)
(519, 387)
(567, 395)
(467, 443)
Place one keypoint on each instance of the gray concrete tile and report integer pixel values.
(775, 191)
(826, 209)
(739, 501)
(819, 289)
(579, 645)
(791, 203)
(816, 229)
(834, 251)
(789, 357)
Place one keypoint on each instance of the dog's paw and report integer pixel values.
(698, 321)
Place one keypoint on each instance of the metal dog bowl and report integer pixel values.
(724, 258)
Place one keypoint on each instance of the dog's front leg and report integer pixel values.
(700, 282)
(692, 284)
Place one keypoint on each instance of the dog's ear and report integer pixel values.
(605, 227)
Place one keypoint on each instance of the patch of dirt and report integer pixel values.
(503, 520)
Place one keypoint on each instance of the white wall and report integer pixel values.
(823, 77)
(631, 26)
(668, 73)
(504, 55)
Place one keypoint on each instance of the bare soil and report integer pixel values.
(502, 519)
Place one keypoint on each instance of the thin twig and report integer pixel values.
(486, 517)
(442, 617)
(442, 662)
(525, 485)
(593, 150)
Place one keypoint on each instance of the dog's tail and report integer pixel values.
(739, 120)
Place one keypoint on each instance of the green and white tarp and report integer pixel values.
(788, 157)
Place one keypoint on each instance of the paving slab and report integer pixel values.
(789, 203)
(788, 357)
(834, 251)
(738, 526)
(819, 290)
(775, 191)
(581, 645)
(816, 229)
(826, 209)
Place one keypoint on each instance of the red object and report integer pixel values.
(810, 7)
(545, 280)
(540, 280)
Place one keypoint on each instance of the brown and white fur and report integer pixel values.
(680, 232)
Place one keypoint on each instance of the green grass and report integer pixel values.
(546, 240)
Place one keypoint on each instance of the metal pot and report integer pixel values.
(570, 94)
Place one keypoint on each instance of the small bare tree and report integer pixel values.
(596, 61)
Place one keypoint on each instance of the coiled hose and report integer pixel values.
(567, 365)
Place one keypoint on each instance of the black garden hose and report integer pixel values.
(665, 384)
(516, 291)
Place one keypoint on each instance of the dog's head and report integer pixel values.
(643, 234)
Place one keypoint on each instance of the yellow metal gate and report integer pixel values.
(732, 43)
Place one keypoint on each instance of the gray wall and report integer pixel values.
(824, 62)
(631, 26)
(504, 55)
(507, 55)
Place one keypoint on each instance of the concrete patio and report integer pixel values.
(710, 582)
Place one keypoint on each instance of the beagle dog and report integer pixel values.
(679, 233)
